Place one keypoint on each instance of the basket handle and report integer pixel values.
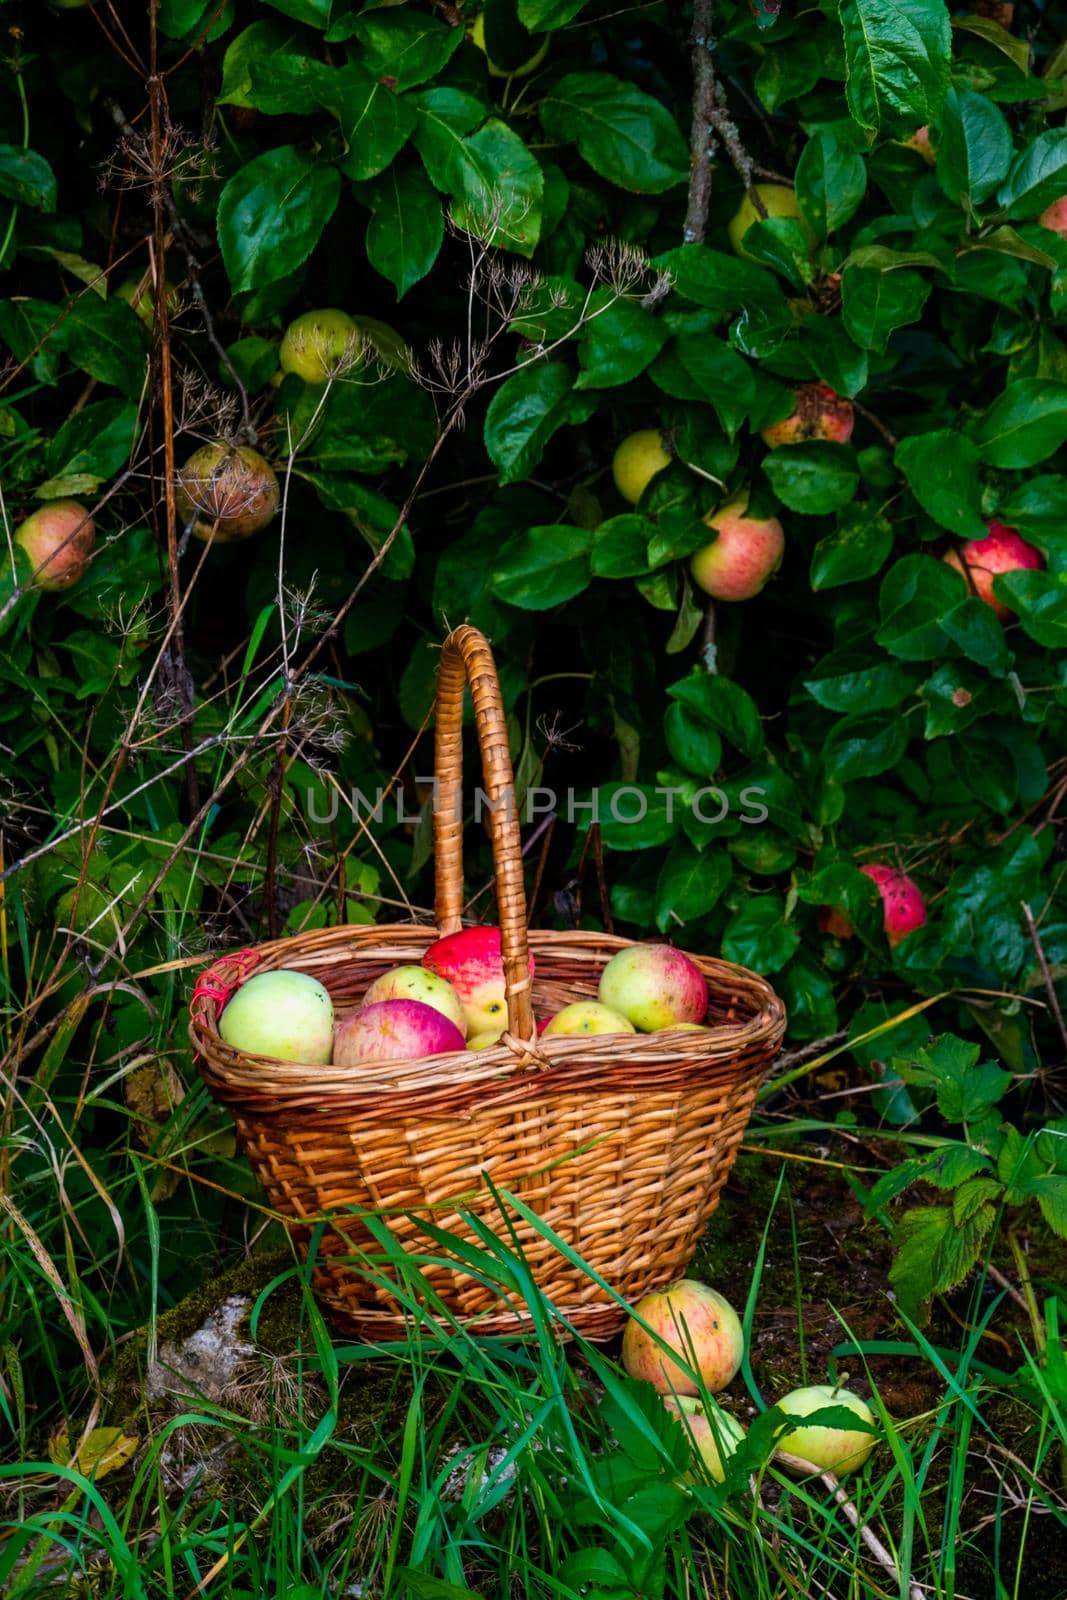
(467, 658)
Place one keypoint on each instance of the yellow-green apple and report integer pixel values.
(980, 560)
(818, 413)
(745, 554)
(284, 1014)
(419, 983)
(637, 460)
(484, 1041)
(470, 961)
(394, 1030)
(588, 1016)
(715, 1435)
(837, 1450)
(903, 906)
(477, 37)
(58, 541)
(320, 345)
(230, 490)
(778, 201)
(698, 1325)
(137, 293)
(654, 986)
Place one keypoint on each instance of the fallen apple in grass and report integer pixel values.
(836, 1450)
(419, 983)
(818, 413)
(58, 542)
(715, 1435)
(588, 1016)
(980, 560)
(696, 1323)
(394, 1030)
(321, 345)
(230, 490)
(285, 1014)
(637, 460)
(654, 986)
(470, 961)
(745, 554)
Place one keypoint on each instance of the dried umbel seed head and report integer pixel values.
(230, 490)
(321, 345)
(58, 541)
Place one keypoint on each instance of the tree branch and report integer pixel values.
(701, 138)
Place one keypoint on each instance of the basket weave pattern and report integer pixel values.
(621, 1143)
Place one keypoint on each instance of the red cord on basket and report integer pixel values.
(221, 979)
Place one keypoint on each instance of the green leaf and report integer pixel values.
(692, 741)
(539, 14)
(690, 883)
(406, 230)
(34, 332)
(809, 998)
(107, 340)
(289, 82)
(272, 213)
(916, 592)
(445, 117)
(376, 123)
(843, 683)
(1050, 1191)
(262, 41)
(813, 478)
(543, 567)
(874, 303)
(942, 469)
(977, 631)
(96, 441)
(897, 54)
(620, 546)
(1039, 599)
(855, 549)
(865, 745)
(625, 135)
(723, 705)
(974, 147)
(27, 178)
(836, 360)
(404, 46)
(759, 937)
(497, 188)
(314, 12)
(935, 1253)
(634, 816)
(722, 377)
(1038, 175)
(523, 415)
(1024, 425)
(831, 180)
(617, 342)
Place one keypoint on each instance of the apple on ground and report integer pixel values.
(981, 560)
(903, 906)
(230, 490)
(394, 1030)
(58, 542)
(654, 986)
(699, 1325)
(715, 1435)
(819, 413)
(836, 1450)
(588, 1016)
(747, 552)
(320, 345)
(637, 460)
(419, 983)
(285, 1014)
(470, 960)
(778, 201)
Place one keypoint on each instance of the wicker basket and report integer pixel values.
(619, 1142)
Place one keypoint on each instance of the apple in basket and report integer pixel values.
(588, 1016)
(696, 1322)
(470, 961)
(288, 1015)
(654, 986)
(394, 1030)
(418, 983)
(714, 1433)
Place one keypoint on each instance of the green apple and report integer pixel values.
(419, 983)
(588, 1016)
(836, 1450)
(285, 1014)
(637, 460)
(654, 986)
(714, 1433)
(321, 345)
(778, 201)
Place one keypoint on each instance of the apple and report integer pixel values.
(394, 1030)
(477, 37)
(320, 345)
(1054, 217)
(654, 986)
(903, 906)
(920, 142)
(695, 1322)
(819, 413)
(58, 540)
(1002, 550)
(285, 1014)
(137, 293)
(836, 1450)
(747, 552)
(637, 460)
(778, 201)
(419, 983)
(470, 961)
(713, 1432)
(588, 1016)
(230, 489)
(483, 1041)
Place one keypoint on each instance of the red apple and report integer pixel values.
(920, 143)
(698, 1324)
(654, 986)
(1002, 550)
(470, 961)
(746, 553)
(418, 983)
(819, 413)
(1054, 217)
(230, 489)
(903, 906)
(58, 540)
(394, 1030)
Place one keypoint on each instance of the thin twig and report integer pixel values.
(1042, 961)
